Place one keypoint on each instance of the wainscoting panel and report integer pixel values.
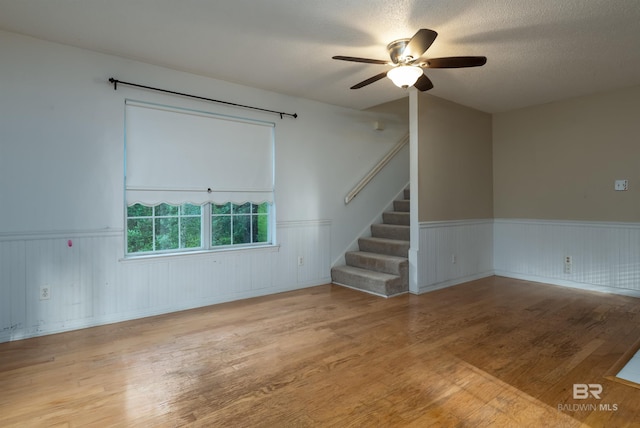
(312, 242)
(92, 284)
(13, 270)
(452, 252)
(602, 254)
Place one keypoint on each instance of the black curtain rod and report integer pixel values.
(282, 114)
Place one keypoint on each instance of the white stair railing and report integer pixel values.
(376, 169)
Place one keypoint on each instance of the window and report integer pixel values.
(167, 228)
(163, 227)
(234, 224)
(195, 180)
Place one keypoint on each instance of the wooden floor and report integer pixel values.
(494, 352)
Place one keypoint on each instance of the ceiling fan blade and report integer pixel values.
(369, 81)
(419, 43)
(356, 59)
(455, 62)
(423, 83)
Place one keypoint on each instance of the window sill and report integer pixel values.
(201, 253)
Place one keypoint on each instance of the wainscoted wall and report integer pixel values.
(452, 252)
(603, 254)
(92, 284)
(62, 178)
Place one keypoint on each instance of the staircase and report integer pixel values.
(381, 266)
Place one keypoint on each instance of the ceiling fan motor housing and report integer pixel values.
(396, 49)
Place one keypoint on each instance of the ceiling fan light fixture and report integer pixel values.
(407, 62)
(404, 76)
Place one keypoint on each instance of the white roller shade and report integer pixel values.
(183, 156)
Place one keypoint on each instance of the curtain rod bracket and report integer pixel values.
(282, 114)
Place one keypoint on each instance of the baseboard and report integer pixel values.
(450, 283)
(570, 284)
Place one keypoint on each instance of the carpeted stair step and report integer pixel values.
(375, 282)
(401, 205)
(391, 231)
(395, 217)
(378, 262)
(381, 266)
(392, 247)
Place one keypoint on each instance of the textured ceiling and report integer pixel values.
(538, 50)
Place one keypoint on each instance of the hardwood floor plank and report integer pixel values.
(492, 352)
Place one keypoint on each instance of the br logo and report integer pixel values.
(582, 391)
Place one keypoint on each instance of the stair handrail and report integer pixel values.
(376, 169)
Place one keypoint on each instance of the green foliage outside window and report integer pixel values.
(163, 227)
(233, 224)
(166, 227)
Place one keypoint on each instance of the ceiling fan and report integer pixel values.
(407, 62)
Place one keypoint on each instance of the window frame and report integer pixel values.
(153, 218)
(206, 231)
(231, 216)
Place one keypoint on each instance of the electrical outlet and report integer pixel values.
(568, 264)
(454, 259)
(300, 261)
(45, 292)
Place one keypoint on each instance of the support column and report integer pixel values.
(414, 248)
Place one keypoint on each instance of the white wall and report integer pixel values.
(605, 256)
(453, 252)
(61, 179)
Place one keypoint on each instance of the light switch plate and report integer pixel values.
(622, 185)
